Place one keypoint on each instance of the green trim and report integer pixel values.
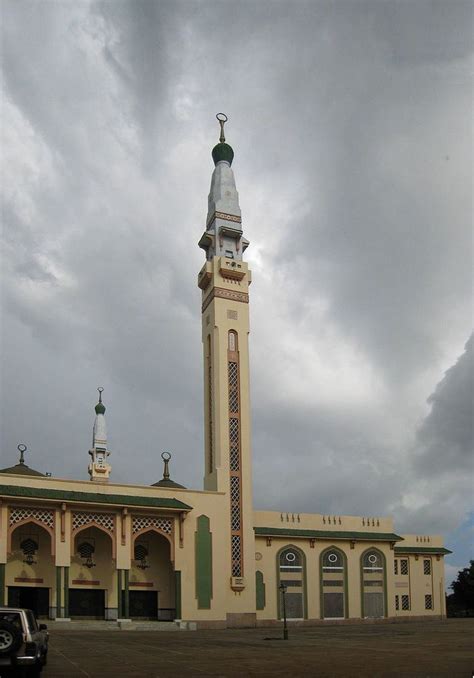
(92, 497)
(259, 590)
(203, 547)
(321, 577)
(119, 594)
(326, 534)
(435, 550)
(66, 592)
(126, 603)
(385, 593)
(2, 583)
(305, 585)
(177, 593)
(58, 591)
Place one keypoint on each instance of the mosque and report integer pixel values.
(76, 549)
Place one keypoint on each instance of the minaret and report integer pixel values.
(99, 469)
(224, 280)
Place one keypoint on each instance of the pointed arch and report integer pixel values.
(36, 523)
(373, 583)
(286, 571)
(333, 594)
(160, 533)
(78, 531)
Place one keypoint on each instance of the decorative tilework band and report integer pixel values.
(222, 293)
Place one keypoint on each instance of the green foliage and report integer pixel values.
(461, 601)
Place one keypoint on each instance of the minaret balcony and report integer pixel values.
(229, 268)
(205, 275)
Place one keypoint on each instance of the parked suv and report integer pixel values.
(23, 644)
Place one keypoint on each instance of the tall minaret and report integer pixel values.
(224, 280)
(99, 469)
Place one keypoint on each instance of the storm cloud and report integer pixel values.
(352, 134)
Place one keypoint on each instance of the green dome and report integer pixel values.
(100, 408)
(222, 152)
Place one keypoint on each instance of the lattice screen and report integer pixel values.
(105, 520)
(141, 522)
(234, 461)
(44, 516)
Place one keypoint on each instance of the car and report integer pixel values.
(23, 643)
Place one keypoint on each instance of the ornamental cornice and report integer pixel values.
(222, 293)
(226, 217)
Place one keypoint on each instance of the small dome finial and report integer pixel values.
(100, 407)
(222, 118)
(166, 456)
(22, 449)
(222, 151)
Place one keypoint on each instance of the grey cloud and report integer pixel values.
(445, 441)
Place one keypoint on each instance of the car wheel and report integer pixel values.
(11, 638)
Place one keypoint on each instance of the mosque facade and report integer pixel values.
(75, 549)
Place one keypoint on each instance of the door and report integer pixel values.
(143, 604)
(34, 598)
(333, 605)
(373, 604)
(87, 603)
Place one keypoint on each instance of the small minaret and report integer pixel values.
(99, 469)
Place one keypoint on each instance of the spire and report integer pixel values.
(99, 439)
(99, 469)
(21, 468)
(166, 480)
(223, 236)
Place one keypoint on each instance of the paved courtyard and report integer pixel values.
(431, 649)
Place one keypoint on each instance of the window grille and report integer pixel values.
(397, 602)
(405, 602)
(428, 602)
(404, 567)
(209, 397)
(395, 566)
(332, 560)
(235, 517)
(234, 431)
(372, 562)
(236, 556)
(427, 568)
(233, 387)
(234, 457)
(235, 489)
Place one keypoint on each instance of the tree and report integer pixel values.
(461, 601)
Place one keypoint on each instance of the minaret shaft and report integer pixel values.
(224, 280)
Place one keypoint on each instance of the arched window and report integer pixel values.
(333, 583)
(232, 346)
(291, 570)
(373, 584)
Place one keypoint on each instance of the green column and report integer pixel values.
(58, 591)
(259, 590)
(177, 593)
(119, 594)
(203, 546)
(66, 592)
(126, 606)
(2, 583)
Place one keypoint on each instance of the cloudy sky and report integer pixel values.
(351, 126)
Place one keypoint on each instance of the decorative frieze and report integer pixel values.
(222, 293)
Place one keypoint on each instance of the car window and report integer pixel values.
(12, 617)
(31, 620)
